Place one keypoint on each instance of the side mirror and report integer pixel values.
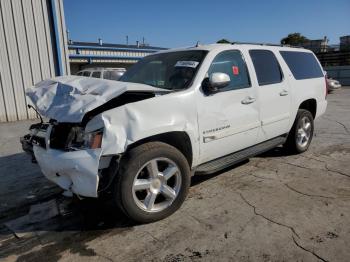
(215, 82)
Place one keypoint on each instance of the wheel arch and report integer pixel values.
(309, 105)
(178, 139)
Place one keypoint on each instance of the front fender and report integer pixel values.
(133, 122)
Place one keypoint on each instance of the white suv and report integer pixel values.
(173, 114)
(104, 73)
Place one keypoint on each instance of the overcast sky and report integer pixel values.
(182, 23)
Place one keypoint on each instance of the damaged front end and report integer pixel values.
(37, 135)
(68, 150)
(68, 156)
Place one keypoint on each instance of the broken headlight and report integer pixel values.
(93, 139)
(78, 139)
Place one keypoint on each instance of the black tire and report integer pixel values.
(131, 163)
(292, 145)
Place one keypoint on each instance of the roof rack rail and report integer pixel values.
(264, 44)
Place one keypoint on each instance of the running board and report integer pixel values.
(229, 160)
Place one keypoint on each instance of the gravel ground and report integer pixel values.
(275, 207)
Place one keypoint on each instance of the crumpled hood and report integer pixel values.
(69, 98)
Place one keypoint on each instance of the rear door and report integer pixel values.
(274, 94)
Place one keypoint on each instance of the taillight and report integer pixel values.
(326, 86)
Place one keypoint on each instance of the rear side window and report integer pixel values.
(106, 75)
(86, 73)
(303, 65)
(231, 62)
(96, 74)
(115, 75)
(267, 68)
(112, 75)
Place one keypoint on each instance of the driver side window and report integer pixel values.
(231, 63)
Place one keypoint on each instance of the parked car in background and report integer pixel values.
(172, 114)
(104, 73)
(333, 85)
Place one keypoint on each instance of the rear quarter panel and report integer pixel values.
(302, 90)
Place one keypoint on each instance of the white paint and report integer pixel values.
(76, 171)
(217, 125)
(69, 98)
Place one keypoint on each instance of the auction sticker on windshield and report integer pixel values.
(192, 64)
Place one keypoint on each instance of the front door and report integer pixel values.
(228, 120)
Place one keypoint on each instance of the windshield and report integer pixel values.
(173, 71)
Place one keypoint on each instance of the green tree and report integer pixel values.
(224, 41)
(294, 39)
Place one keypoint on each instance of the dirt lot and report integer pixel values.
(275, 207)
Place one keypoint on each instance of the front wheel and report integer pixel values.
(153, 182)
(300, 136)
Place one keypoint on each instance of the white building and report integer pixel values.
(84, 55)
(32, 48)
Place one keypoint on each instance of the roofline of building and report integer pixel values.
(104, 57)
(107, 46)
(82, 47)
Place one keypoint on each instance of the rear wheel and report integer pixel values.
(300, 136)
(153, 182)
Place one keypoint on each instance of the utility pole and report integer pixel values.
(68, 37)
(127, 40)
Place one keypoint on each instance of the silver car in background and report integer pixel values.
(332, 84)
(104, 73)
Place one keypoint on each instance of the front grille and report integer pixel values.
(39, 141)
(38, 134)
(40, 126)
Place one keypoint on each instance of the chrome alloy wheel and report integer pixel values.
(156, 185)
(304, 132)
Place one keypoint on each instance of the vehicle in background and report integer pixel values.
(104, 73)
(333, 85)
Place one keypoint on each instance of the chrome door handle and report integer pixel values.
(284, 93)
(248, 100)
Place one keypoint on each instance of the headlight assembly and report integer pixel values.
(78, 139)
(93, 140)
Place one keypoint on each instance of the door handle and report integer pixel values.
(248, 100)
(284, 93)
